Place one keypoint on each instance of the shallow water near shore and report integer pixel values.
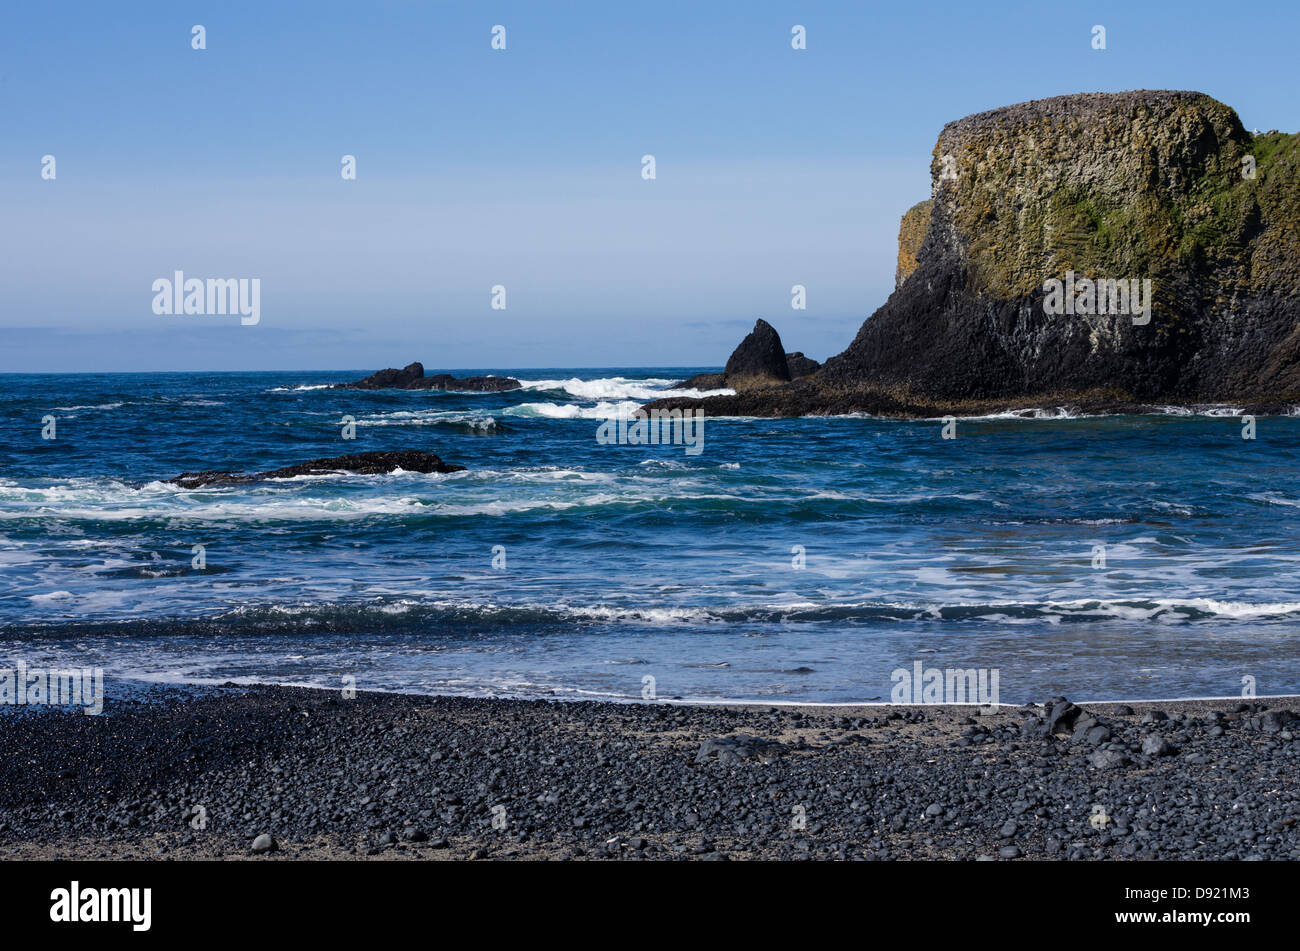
(626, 562)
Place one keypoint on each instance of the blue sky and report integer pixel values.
(522, 168)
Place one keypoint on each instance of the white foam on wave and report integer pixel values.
(490, 609)
(284, 509)
(86, 491)
(1202, 409)
(270, 500)
(1236, 609)
(612, 397)
(50, 597)
(795, 608)
(619, 388)
(430, 418)
(1051, 611)
(602, 410)
(1272, 498)
(1211, 410)
(1028, 413)
(1141, 609)
(545, 474)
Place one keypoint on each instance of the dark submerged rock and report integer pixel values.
(365, 463)
(389, 379)
(411, 377)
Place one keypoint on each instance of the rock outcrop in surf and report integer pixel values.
(1107, 251)
(411, 377)
(364, 463)
(759, 360)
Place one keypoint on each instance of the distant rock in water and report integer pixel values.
(759, 360)
(411, 377)
(800, 365)
(1102, 252)
(365, 463)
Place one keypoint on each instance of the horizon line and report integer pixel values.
(662, 366)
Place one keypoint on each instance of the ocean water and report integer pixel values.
(790, 560)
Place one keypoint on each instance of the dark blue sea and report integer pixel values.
(790, 560)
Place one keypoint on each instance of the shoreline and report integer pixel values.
(811, 397)
(406, 776)
(145, 691)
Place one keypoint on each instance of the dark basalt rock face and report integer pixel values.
(365, 463)
(800, 365)
(389, 379)
(475, 384)
(1109, 187)
(759, 360)
(411, 377)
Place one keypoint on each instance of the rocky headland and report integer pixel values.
(1159, 186)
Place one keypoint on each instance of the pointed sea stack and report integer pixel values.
(759, 360)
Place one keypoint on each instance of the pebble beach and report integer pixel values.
(266, 773)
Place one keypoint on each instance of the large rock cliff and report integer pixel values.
(1166, 187)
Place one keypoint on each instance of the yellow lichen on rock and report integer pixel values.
(911, 233)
